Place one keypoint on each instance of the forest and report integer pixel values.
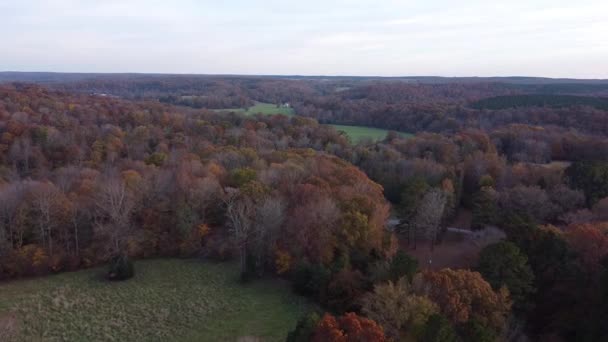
(108, 170)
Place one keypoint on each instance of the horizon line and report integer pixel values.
(289, 75)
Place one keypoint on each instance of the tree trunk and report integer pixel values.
(243, 258)
(76, 238)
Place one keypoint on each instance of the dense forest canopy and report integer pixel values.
(99, 168)
(541, 100)
(408, 104)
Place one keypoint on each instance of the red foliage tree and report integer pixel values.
(348, 328)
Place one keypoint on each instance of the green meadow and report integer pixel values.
(261, 108)
(358, 133)
(167, 300)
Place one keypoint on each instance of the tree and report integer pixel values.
(402, 265)
(566, 199)
(463, 295)
(11, 196)
(306, 232)
(46, 200)
(344, 290)
(347, 328)
(429, 214)
(600, 209)
(115, 204)
(242, 176)
(395, 307)
(594, 327)
(269, 217)
(485, 207)
(557, 273)
(503, 264)
(413, 192)
(439, 329)
(590, 241)
(475, 331)
(528, 202)
(21, 153)
(239, 212)
(591, 177)
(310, 280)
(411, 196)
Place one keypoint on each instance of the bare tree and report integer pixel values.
(65, 177)
(44, 202)
(202, 193)
(79, 213)
(115, 203)
(429, 213)
(240, 212)
(269, 217)
(21, 152)
(11, 196)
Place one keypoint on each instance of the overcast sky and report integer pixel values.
(308, 37)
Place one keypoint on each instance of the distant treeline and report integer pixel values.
(540, 100)
(423, 104)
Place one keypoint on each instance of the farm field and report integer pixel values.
(261, 108)
(168, 299)
(358, 133)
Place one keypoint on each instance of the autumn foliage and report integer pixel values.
(85, 178)
(463, 295)
(347, 328)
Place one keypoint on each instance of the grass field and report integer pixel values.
(358, 133)
(262, 108)
(168, 300)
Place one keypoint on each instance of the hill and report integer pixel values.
(541, 100)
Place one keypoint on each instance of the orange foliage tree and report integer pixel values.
(348, 328)
(463, 295)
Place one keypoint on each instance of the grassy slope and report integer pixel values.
(169, 299)
(357, 133)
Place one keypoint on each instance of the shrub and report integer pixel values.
(121, 268)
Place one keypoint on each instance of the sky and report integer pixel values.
(308, 37)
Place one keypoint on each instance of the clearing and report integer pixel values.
(168, 299)
(261, 108)
(358, 133)
(458, 248)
